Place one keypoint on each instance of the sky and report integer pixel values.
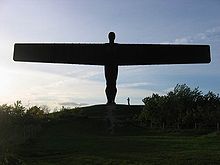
(86, 21)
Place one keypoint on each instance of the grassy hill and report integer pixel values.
(103, 134)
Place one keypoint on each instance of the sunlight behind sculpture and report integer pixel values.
(111, 55)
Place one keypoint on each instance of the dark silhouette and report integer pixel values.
(182, 108)
(128, 99)
(111, 73)
(111, 55)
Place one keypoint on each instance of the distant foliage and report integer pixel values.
(17, 125)
(181, 108)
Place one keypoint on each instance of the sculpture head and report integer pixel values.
(111, 37)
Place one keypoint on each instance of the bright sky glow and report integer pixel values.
(79, 21)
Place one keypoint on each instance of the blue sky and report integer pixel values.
(86, 21)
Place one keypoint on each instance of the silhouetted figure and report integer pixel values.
(111, 55)
(111, 74)
(128, 99)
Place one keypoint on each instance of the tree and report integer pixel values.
(182, 107)
(155, 109)
(35, 112)
(18, 109)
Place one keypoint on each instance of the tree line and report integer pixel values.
(181, 108)
(17, 125)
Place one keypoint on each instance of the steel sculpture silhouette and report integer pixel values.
(111, 55)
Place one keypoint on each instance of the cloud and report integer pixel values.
(85, 72)
(72, 104)
(211, 36)
(134, 85)
(39, 88)
(186, 39)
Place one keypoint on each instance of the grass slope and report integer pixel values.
(84, 138)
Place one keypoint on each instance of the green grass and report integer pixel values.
(86, 140)
(119, 149)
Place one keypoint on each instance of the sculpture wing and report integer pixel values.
(121, 54)
(149, 54)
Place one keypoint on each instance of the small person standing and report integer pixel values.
(128, 99)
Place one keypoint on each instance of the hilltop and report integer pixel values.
(103, 134)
